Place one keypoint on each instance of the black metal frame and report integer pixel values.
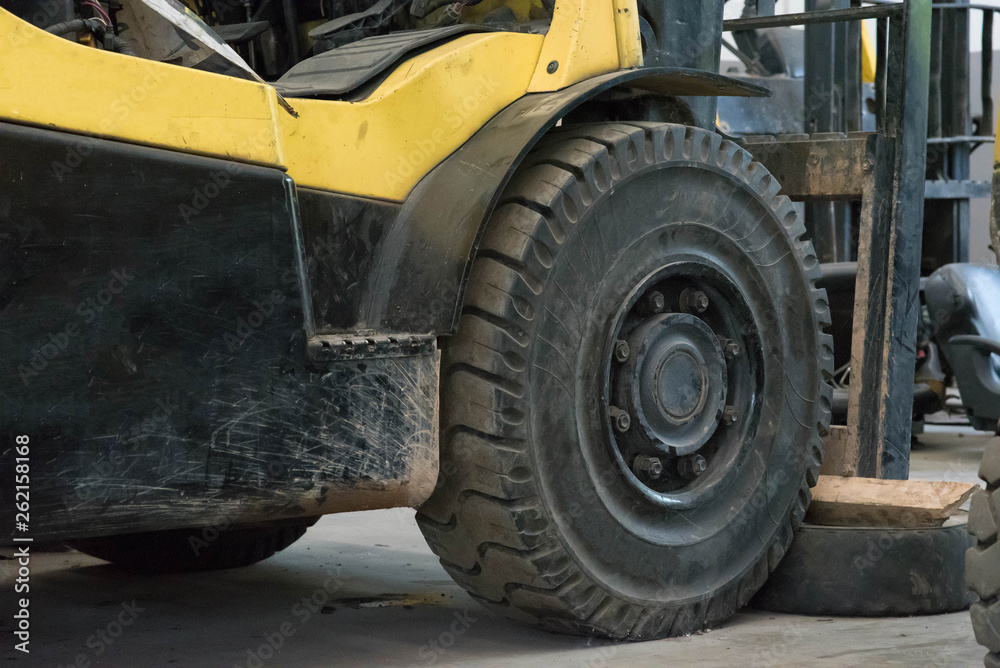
(949, 187)
(891, 187)
(833, 104)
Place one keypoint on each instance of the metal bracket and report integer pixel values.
(339, 348)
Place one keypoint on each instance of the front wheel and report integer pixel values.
(633, 406)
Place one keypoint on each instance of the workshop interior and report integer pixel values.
(625, 325)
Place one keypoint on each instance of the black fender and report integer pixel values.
(418, 281)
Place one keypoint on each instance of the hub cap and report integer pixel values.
(675, 383)
(682, 378)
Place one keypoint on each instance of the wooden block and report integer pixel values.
(842, 501)
(839, 455)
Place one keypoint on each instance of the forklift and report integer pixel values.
(492, 261)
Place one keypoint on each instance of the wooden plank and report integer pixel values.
(829, 166)
(838, 453)
(883, 353)
(844, 501)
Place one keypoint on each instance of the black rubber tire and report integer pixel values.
(196, 549)
(517, 517)
(982, 561)
(871, 572)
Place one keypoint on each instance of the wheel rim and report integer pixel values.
(682, 378)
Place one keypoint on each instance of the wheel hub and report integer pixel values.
(681, 383)
(674, 383)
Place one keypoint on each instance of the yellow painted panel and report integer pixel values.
(627, 33)
(996, 151)
(582, 40)
(868, 56)
(378, 147)
(427, 108)
(51, 82)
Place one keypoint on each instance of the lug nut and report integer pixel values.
(732, 350)
(730, 416)
(654, 302)
(620, 419)
(621, 350)
(692, 466)
(647, 467)
(696, 301)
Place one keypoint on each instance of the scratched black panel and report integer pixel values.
(152, 346)
(341, 235)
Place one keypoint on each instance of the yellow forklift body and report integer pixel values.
(428, 107)
(378, 147)
(53, 83)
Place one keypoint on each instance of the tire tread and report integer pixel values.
(982, 561)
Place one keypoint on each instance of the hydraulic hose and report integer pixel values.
(78, 26)
(422, 8)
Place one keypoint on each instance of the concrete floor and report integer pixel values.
(390, 603)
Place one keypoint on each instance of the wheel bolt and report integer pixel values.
(620, 419)
(654, 302)
(696, 301)
(692, 466)
(647, 467)
(621, 350)
(730, 416)
(732, 350)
